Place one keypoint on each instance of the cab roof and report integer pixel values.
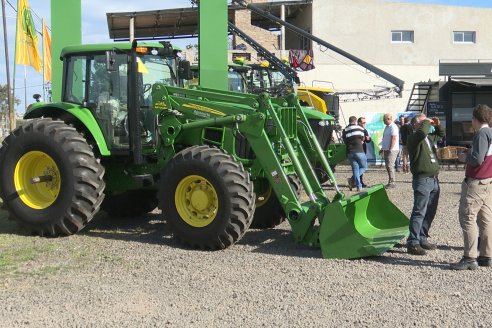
(101, 47)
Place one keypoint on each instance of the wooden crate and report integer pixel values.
(449, 152)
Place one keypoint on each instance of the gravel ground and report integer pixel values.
(131, 273)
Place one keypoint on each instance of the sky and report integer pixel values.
(94, 30)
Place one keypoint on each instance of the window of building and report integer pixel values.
(304, 43)
(402, 36)
(461, 115)
(464, 37)
(244, 55)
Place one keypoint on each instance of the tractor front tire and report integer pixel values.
(206, 197)
(50, 180)
(269, 213)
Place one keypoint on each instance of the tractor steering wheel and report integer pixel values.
(147, 87)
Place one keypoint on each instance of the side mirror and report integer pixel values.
(37, 97)
(111, 61)
(167, 50)
(184, 71)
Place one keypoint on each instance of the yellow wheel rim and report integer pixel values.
(196, 201)
(37, 180)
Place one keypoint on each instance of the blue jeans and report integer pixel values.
(425, 199)
(358, 161)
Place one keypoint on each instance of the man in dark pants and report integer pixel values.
(353, 136)
(425, 169)
(367, 139)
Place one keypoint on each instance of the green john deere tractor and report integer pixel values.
(125, 138)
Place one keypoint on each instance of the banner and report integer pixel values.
(46, 53)
(26, 41)
(375, 127)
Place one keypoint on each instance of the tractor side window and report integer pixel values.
(278, 78)
(255, 80)
(75, 81)
(108, 97)
(236, 82)
(101, 82)
(265, 79)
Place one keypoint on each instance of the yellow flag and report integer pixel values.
(46, 53)
(26, 41)
(141, 66)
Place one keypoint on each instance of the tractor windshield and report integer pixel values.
(263, 79)
(154, 69)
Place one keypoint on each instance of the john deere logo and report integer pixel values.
(28, 24)
(160, 105)
(204, 109)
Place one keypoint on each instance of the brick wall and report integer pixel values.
(267, 39)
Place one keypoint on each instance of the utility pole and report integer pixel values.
(7, 70)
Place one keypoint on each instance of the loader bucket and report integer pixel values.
(366, 224)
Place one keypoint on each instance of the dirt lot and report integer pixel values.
(131, 273)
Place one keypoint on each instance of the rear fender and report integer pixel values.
(312, 100)
(314, 114)
(81, 117)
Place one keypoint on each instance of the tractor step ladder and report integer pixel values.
(419, 96)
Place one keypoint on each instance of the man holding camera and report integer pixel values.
(425, 169)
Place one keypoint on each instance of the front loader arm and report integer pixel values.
(301, 216)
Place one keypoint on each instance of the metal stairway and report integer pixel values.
(419, 96)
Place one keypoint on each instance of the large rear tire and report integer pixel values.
(269, 213)
(206, 197)
(50, 180)
(130, 203)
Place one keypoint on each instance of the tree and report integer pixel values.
(4, 106)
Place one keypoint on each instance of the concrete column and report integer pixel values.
(213, 45)
(132, 29)
(66, 29)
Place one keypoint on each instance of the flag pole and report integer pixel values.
(7, 70)
(12, 125)
(25, 87)
(44, 66)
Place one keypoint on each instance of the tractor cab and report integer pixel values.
(263, 78)
(98, 77)
(236, 78)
